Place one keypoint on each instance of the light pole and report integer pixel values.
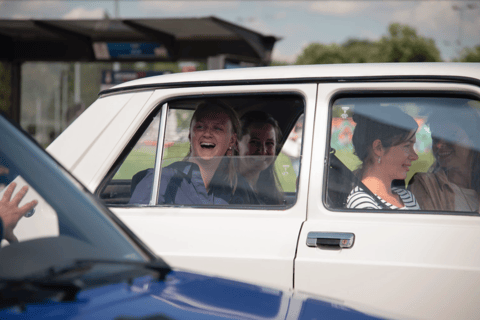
(461, 9)
(116, 65)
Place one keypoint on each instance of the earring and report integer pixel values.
(379, 159)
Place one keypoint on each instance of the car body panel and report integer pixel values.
(420, 265)
(95, 118)
(432, 257)
(185, 295)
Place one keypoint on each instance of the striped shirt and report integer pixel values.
(359, 199)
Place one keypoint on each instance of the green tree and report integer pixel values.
(404, 45)
(317, 53)
(352, 51)
(361, 51)
(470, 55)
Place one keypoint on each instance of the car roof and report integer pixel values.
(468, 72)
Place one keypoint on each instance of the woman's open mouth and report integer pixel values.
(443, 154)
(207, 145)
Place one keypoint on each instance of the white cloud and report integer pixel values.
(438, 20)
(280, 15)
(369, 35)
(376, 10)
(82, 13)
(185, 7)
(20, 17)
(275, 16)
(340, 8)
(279, 56)
(426, 15)
(293, 30)
(289, 4)
(471, 28)
(257, 25)
(31, 9)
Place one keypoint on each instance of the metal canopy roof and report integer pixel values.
(173, 39)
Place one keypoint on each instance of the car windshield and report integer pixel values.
(68, 230)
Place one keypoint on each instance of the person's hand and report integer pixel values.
(11, 213)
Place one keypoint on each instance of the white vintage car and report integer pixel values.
(418, 263)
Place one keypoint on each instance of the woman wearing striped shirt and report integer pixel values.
(383, 140)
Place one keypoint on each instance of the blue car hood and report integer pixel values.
(184, 295)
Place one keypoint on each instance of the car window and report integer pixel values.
(49, 219)
(239, 151)
(140, 156)
(418, 153)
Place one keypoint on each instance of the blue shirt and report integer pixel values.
(182, 183)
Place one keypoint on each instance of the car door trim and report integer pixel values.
(158, 159)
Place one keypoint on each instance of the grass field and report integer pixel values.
(144, 158)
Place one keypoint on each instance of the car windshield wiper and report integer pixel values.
(63, 283)
(85, 265)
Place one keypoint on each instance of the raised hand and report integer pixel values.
(11, 213)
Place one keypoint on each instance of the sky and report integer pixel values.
(451, 24)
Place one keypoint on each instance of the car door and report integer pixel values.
(418, 264)
(248, 243)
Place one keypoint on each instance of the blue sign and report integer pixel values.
(129, 50)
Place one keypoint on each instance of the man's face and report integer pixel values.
(450, 145)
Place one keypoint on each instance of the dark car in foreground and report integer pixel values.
(76, 260)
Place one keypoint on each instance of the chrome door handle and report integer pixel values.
(330, 239)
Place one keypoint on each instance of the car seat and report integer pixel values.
(137, 177)
(340, 182)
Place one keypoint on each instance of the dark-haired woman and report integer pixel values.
(206, 176)
(257, 144)
(383, 139)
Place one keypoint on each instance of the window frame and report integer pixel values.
(124, 154)
(162, 107)
(385, 93)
